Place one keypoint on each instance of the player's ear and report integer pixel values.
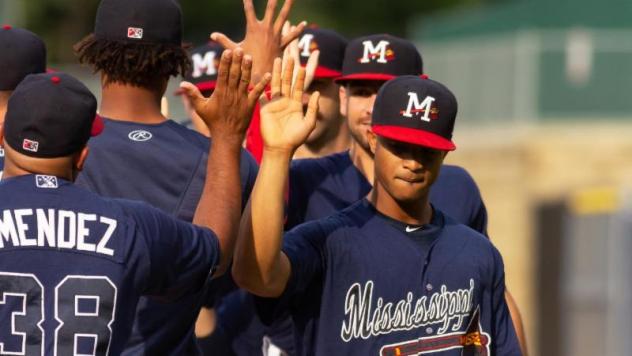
(342, 94)
(80, 159)
(372, 139)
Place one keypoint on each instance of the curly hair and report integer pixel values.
(143, 65)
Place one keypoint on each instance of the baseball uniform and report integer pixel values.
(73, 264)
(364, 283)
(165, 166)
(162, 164)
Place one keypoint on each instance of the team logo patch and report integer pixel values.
(307, 45)
(204, 65)
(1, 152)
(422, 110)
(30, 145)
(46, 182)
(380, 52)
(140, 135)
(135, 32)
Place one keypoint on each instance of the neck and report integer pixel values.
(363, 160)
(129, 103)
(62, 170)
(333, 141)
(416, 212)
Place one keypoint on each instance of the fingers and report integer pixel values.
(223, 40)
(193, 93)
(312, 110)
(310, 68)
(299, 85)
(275, 86)
(269, 15)
(246, 69)
(249, 11)
(283, 15)
(286, 81)
(286, 28)
(294, 33)
(224, 68)
(257, 91)
(235, 69)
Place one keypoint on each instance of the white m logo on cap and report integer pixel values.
(414, 106)
(371, 52)
(305, 43)
(204, 65)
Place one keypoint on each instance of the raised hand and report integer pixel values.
(228, 111)
(264, 40)
(283, 126)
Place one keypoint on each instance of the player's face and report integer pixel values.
(404, 170)
(328, 117)
(356, 104)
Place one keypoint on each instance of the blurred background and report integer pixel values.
(545, 109)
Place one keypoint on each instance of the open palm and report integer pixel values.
(283, 124)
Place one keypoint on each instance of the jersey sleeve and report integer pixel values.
(304, 246)
(181, 254)
(479, 218)
(504, 340)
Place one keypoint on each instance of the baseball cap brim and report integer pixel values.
(326, 73)
(365, 76)
(415, 137)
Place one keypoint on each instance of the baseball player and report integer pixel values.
(136, 46)
(73, 264)
(21, 53)
(321, 187)
(391, 274)
(331, 134)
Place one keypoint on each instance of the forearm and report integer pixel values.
(220, 204)
(259, 266)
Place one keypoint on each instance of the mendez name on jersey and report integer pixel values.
(60, 229)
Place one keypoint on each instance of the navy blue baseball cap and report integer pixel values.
(332, 51)
(139, 21)
(21, 53)
(205, 63)
(50, 115)
(415, 110)
(380, 57)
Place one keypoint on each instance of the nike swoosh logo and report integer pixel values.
(411, 229)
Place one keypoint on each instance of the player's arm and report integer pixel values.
(259, 265)
(516, 319)
(227, 114)
(264, 39)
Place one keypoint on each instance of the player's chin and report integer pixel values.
(407, 191)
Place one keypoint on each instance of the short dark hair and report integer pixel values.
(138, 64)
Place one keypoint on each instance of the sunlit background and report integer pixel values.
(545, 109)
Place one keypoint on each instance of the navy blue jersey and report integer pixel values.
(165, 166)
(361, 285)
(322, 186)
(73, 266)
